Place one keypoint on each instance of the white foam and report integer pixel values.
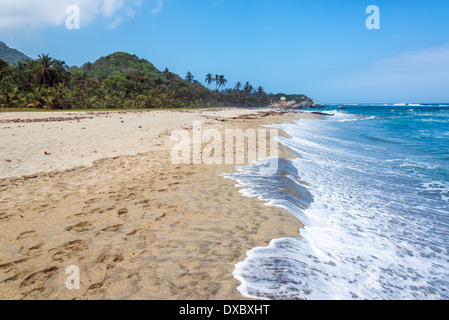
(362, 238)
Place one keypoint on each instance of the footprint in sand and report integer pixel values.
(39, 277)
(109, 259)
(122, 212)
(145, 203)
(39, 293)
(12, 263)
(132, 233)
(32, 251)
(96, 286)
(25, 234)
(105, 256)
(112, 228)
(81, 227)
(4, 216)
(69, 249)
(90, 201)
(161, 217)
(86, 212)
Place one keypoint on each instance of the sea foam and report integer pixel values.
(373, 229)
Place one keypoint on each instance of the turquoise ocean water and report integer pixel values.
(371, 186)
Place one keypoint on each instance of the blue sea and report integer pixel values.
(371, 186)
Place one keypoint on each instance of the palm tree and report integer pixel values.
(62, 71)
(189, 77)
(21, 76)
(238, 86)
(136, 82)
(168, 75)
(260, 91)
(38, 98)
(140, 77)
(45, 71)
(217, 81)
(42, 70)
(221, 81)
(248, 88)
(209, 79)
(11, 100)
(60, 64)
(88, 66)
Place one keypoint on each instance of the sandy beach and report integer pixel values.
(98, 190)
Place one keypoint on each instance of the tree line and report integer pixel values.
(47, 83)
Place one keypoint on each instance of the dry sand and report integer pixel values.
(98, 190)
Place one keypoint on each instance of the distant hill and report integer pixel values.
(12, 56)
(120, 81)
(121, 63)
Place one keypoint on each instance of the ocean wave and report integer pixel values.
(368, 232)
(437, 187)
(433, 120)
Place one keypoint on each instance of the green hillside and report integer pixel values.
(122, 64)
(12, 56)
(119, 81)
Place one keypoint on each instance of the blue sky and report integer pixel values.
(320, 48)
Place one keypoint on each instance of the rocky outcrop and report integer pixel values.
(304, 105)
(292, 104)
(283, 104)
(323, 114)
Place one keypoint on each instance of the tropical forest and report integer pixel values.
(119, 81)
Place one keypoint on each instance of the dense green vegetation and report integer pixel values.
(118, 81)
(11, 56)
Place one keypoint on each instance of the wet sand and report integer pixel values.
(100, 192)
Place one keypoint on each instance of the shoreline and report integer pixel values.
(136, 227)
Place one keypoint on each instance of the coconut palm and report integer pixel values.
(217, 81)
(37, 98)
(209, 79)
(189, 77)
(238, 86)
(248, 88)
(140, 77)
(260, 91)
(168, 75)
(221, 81)
(45, 71)
(62, 69)
(88, 66)
(11, 100)
(23, 76)
(136, 82)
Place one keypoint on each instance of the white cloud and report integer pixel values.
(110, 7)
(411, 76)
(430, 64)
(19, 14)
(158, 8)
(114, 24)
